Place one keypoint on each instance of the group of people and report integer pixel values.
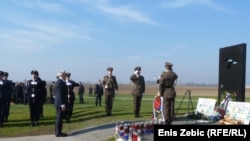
(63, 97)
(35, 89)
(167, 83)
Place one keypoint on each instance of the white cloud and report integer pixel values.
(124, 13)
(41, 34)
(41, 4)
(184, 3)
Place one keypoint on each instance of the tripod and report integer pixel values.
(190, 103)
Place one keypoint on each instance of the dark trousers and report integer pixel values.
(7, 111)
(137, 104)
(35, 112)
(69, 111)
(59, 121)
(41, 111)
(25, 99)
(168, 109)
(81, 100)
(90, 94)
(3, 108)
(109, 103)
(51, 99)
(98, 99)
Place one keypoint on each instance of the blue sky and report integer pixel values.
(87, 36)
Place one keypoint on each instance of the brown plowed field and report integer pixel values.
(152, 89)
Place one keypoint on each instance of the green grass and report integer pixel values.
(84, 115)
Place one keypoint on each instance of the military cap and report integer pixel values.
(34, 72)
(109, 69)
(5, 73)
(1, 73)
(168, 64)
(68, 74)
(138, 68)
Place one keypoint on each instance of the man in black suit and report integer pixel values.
(34, 89)
(98, 93)
(8, 93)
(81, 93)
(60, 102)
(3, 99)
(71, 96)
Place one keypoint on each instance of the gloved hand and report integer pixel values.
(136, 72)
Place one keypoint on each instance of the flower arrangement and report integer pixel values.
(231, 95)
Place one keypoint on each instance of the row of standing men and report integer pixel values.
(167, 82)
(34, 93)
(36, 89)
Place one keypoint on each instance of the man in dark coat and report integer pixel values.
(52, 92)
(110, 85)
(138, 91)
(3, 99)
(19, 93)
(167, 92)
(71, 96)
(8, 92)
(60, 102)
(81, 93)
(44, 98)
(35, 88)
(98, 93)
(90, 91)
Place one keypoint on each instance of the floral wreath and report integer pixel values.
(226, 94)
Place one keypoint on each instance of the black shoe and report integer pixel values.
(136, 116)
(6, 119)
(32, 124)
(68, 120)
(36, 123)
(139, 116)
(62, 135)
(1, 125)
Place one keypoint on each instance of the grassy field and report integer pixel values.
(88, 114)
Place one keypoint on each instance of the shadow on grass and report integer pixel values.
(102, 127)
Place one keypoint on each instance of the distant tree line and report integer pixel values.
(187, 84)
(151, 82)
